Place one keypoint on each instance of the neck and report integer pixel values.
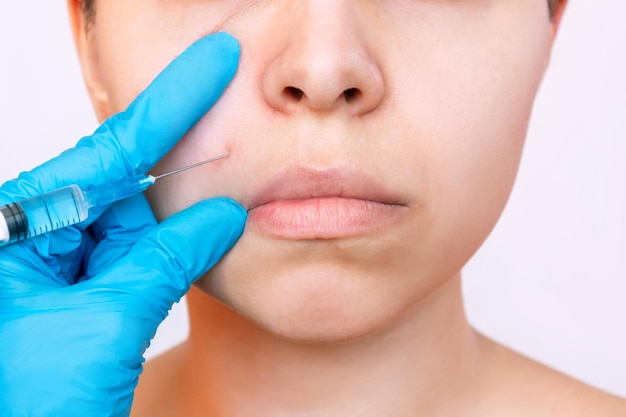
(423, 361)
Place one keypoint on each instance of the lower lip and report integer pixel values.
(321, 218)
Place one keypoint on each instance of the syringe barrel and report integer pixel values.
(42, 214)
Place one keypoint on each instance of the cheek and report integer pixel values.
(468, 112)
(136, 40)
(224, 129)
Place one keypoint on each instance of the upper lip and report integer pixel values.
(297, 183)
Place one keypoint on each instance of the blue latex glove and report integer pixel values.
(79, 306)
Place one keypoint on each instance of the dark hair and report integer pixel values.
(553, 5)
(89, 10)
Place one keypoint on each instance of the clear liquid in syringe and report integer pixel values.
(36, 216)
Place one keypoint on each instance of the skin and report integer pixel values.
(370, 323)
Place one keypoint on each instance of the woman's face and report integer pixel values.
(375, 143)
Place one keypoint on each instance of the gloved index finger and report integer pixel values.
(175, 101)
(132, 141)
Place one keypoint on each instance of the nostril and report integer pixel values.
(351, 94)
(294, 92)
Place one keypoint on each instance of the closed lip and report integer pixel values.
(300, 183)
(302, 204)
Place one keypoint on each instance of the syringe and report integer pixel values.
(69, 205)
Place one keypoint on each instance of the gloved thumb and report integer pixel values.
(163, 264)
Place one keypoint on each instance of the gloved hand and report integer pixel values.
(79, 306)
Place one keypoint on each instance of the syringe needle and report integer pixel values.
(176, 171)
(106, 194)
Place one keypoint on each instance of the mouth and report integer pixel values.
(303, 204)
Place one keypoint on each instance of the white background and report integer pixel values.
(549, 282)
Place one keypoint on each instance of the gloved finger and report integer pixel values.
(133, 141)
(49, 261)
(69, 255)
(161, 267)
(23, 271)
(116, 231)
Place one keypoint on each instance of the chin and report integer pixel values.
(312, 304)
(318, 310)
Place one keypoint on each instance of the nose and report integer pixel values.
(323, 64)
